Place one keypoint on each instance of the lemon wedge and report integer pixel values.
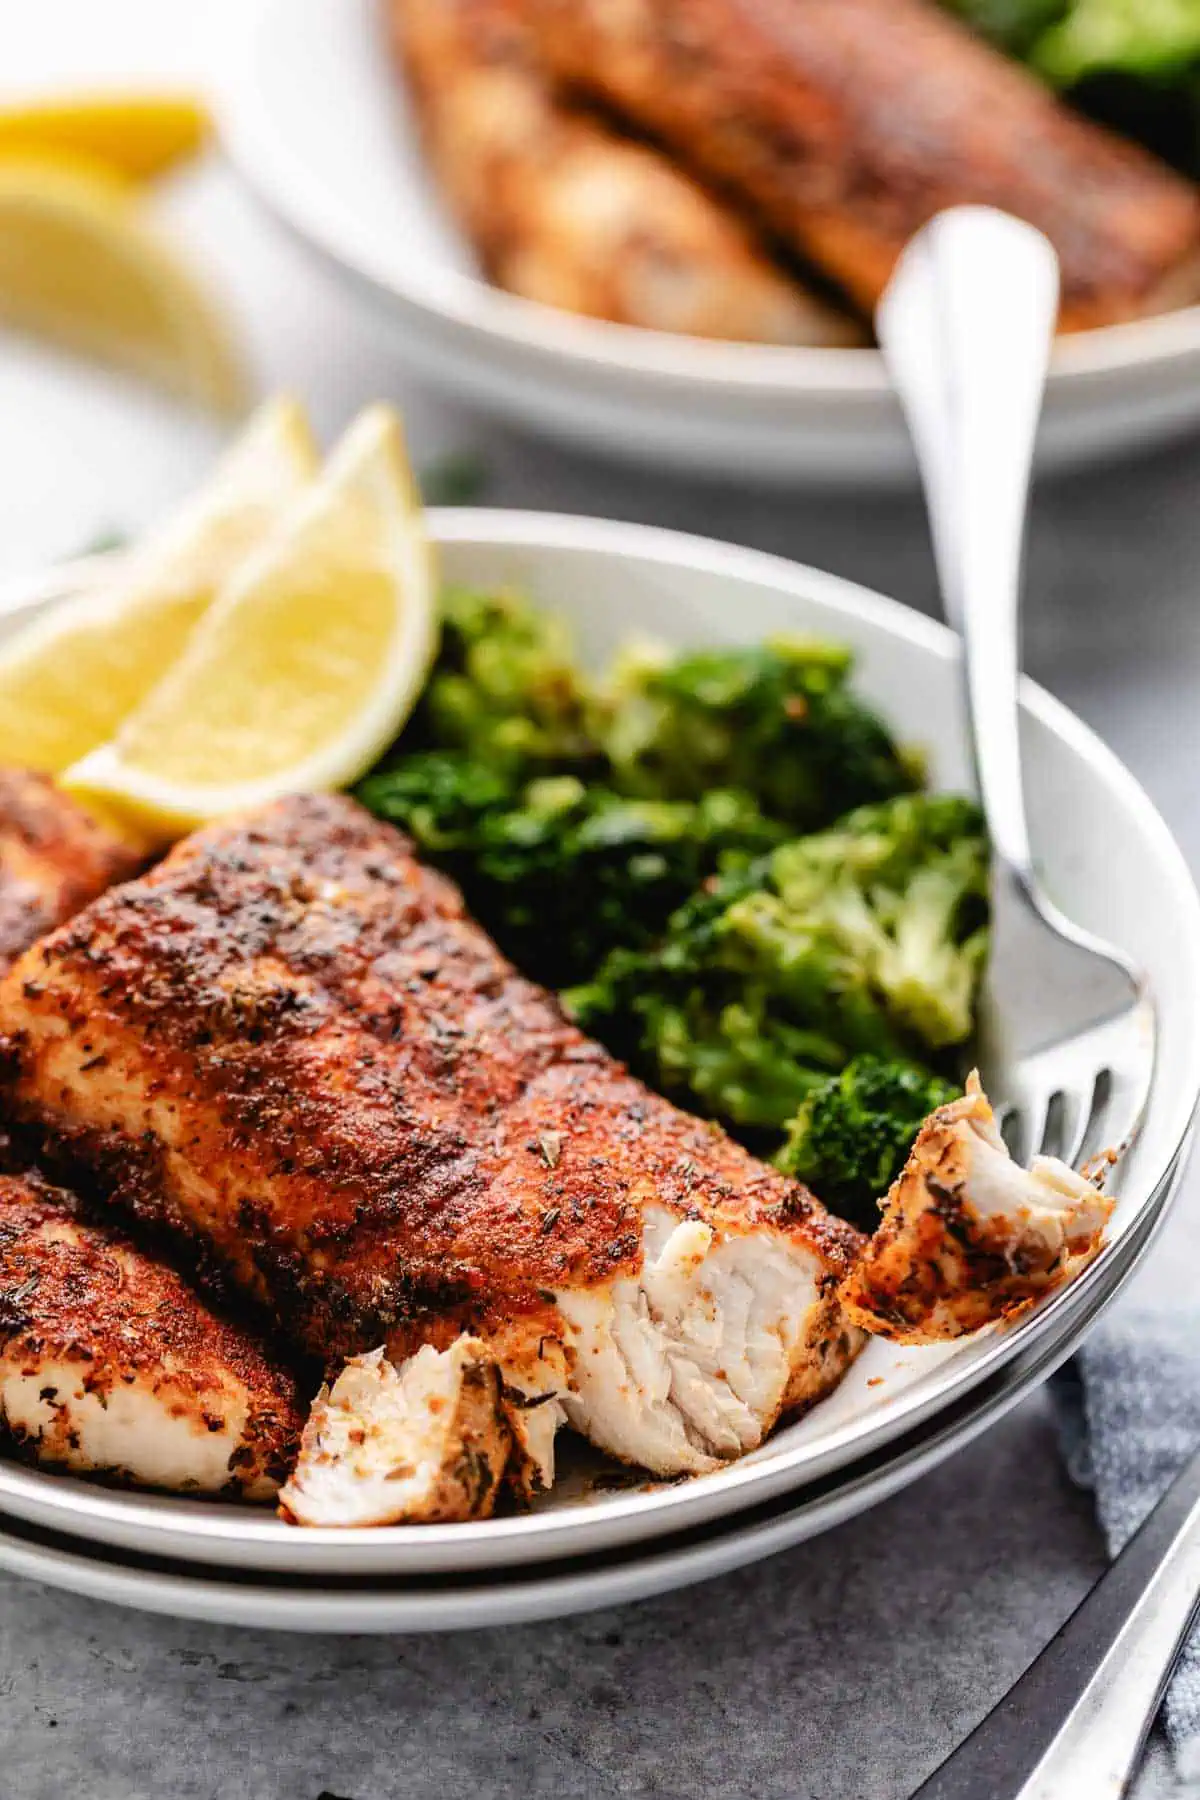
(139, 135)
(69, 678)
(305, 668)
(80, 266)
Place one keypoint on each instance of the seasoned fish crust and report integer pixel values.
(54, 858)
(845, 125)
(288, 1044)
(109, 1362)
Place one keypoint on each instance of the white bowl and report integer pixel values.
(545, 1590)
(1109, 861)
(318, 124)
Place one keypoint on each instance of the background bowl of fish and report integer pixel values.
(409, 189)
(1107, 857)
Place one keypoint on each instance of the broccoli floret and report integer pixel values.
(901, 891)
(574, 871)
(439, 797)
(558, 871)
(1068, 40)
(865, 939)
(505, 688)
(720, 1044)
(776, 720)
(853, 1132)
(743, 1064)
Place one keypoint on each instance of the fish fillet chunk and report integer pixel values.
(678, 1366)
(420, 1444)
(288, 1045)
(110, 1364)
(968, 1236)
(54, 858)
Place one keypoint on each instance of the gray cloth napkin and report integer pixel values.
(1130, 1408)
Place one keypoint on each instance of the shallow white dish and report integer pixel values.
(582, 1584)
(1108, 858)
(318, 124)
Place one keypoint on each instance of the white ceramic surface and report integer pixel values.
(320, 127)
(1107, 857)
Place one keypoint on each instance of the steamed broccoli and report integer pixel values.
(777, 720)
(727, 1051)
(560, 872)
(573, 871)
(576, 820)
(440, 797)
(901, 891)
(853, 1132)
(505, 687)
(867, 938)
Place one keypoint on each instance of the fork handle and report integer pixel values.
(1073, 1725)
(966, 326)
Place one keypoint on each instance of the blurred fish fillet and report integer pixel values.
(844, 125)
(54, 858)
(289, 1045)
(563, 209)
(109, 1364)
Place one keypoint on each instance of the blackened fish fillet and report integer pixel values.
(288, 1045)
(110, 1364)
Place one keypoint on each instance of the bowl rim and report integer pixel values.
(273, 167)
(52, 1498)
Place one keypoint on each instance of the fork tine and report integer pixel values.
(1061, 1115)
(1126, 1102)
(1090, 1125)
(1072, 1149)
(1030, 1104)
(1008, 1123)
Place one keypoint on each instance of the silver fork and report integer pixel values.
(966, 326)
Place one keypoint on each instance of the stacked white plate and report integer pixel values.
(1110, 862)
(317, 122)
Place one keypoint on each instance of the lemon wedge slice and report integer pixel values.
(68, 678)
(139, 135)
(80, 266)
(305, 668)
